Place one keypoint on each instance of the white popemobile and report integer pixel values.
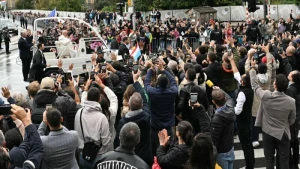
(71, 52)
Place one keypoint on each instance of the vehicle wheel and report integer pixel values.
(51, 70)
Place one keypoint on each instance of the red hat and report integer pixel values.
(264, 59)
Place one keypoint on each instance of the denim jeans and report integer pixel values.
(162, 44)
(155, 140)
(174, 44)
(225, 160)
(84, 164)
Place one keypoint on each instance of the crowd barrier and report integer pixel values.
(158, 45)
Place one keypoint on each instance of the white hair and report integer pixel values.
(19, 97)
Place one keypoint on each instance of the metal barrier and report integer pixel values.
(158, 45)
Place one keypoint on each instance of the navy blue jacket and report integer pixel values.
(162, 101)
(31, 149)
(142, 119)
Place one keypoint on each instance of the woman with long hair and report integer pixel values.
(202, 156)
(127, 94)
(109, 105)
(177, 156)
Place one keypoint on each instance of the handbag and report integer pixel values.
(90, 149)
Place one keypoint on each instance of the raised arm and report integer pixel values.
(113, 100)
(138, 87)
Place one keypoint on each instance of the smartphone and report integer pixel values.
(255, 56)
(5, 110)
(130, 62)
(68, 75)
(81, 81)
(48, 106)
(194, 98)
(84, 67)
(103, 68)
(229, 51)
(92, 74)
(135, 68)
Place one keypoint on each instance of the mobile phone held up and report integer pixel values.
(193, 98)
(229, 51)
(135, 68)
(5, 110)
(130, 62)
(103, 68)
(48, 106)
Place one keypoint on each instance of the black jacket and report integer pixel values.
(142, 119)
(217, 36)
(253, 33)
(37, 68)
(24, 48)
(121, 155)
(123, 50)
(172, 158)
(183, 104)
(213, 72)
(62, 101)
(294, 92)
(203, 120)
(222, 126)
(114, 44)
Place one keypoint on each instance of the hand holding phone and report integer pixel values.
(193, 98)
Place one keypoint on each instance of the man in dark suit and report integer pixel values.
(6, 37)
(24, 48)
(38, 64)
(98, 18)
(123, 49)
(29, 40)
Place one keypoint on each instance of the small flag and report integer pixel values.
(52, 13)
(136, 52)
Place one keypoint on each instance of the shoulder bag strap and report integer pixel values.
(81, 124)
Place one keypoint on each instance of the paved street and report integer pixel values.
(11, 72)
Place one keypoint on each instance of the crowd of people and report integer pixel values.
(176, 108)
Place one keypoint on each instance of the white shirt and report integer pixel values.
(64, 40)
(240, 100)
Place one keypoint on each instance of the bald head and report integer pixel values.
(135, 102)
(24, 34)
